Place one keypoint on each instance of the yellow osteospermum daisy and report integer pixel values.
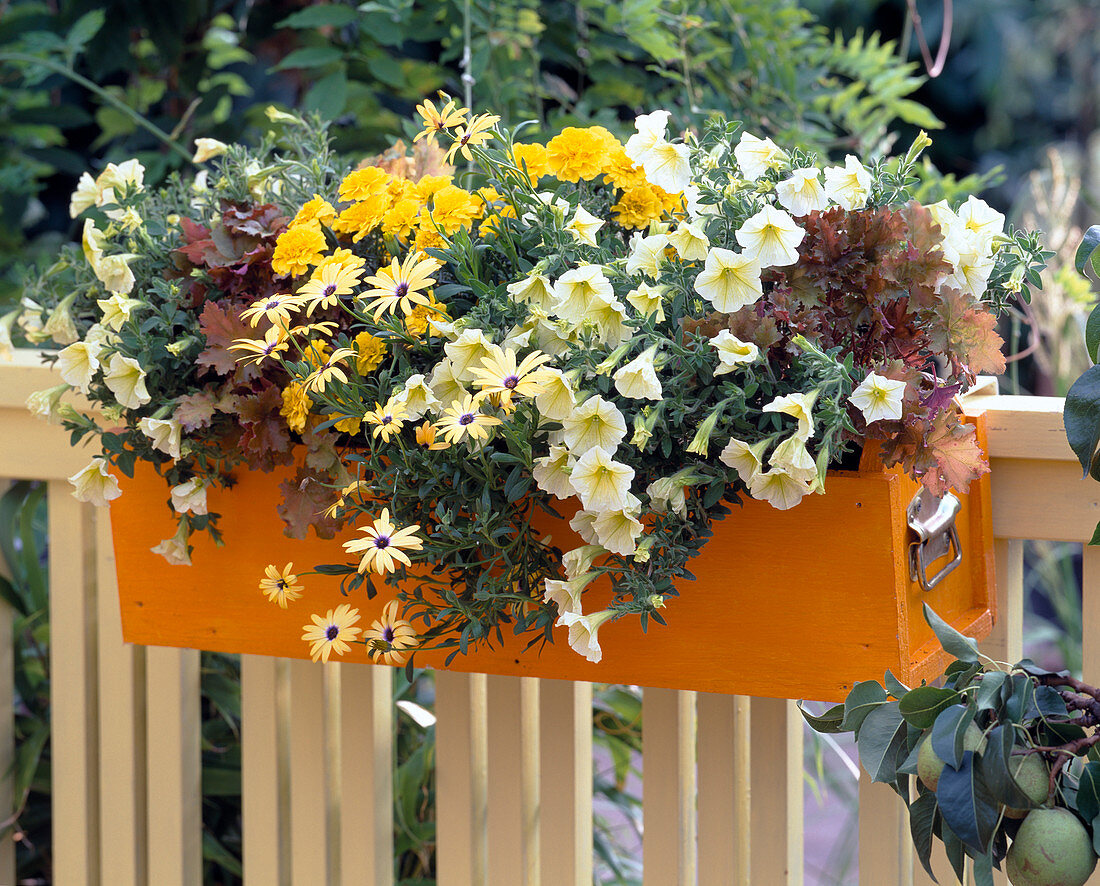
(476, 132)
(327, 284)
(281, 586)
(463, 418)
(332, 633)
(274, 341)
(401, 283)
(436, 122)
(389, 637)
(328, 371)
(297, 249)
(387, 420)
(381, 547)
(500, 375)
(276, 310)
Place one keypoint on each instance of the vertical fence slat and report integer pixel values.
(122, 728)
(265, 755)
(7, 725)
(1006, 643)
(310, 861)
(565, 809)
(366, 775)
(724, 767)
(668, 787)
(885, 848)
(73, 688)
(1090, 614)
(776, 829)
(462, 765)
(174, 766)
(513, 747)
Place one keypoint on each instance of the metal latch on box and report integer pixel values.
(932, 521)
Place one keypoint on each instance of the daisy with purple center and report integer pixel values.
(500, 375)
(327, 284)
(382, 546)
(464, 418)
(274, 341)
(332, 633)
(281, 586)
(389, 636)
(387, 420)
(276, 309)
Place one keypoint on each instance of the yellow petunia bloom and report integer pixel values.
(280, 586)
(297, 249)
(332, 633)
(381, 548)
(389, 637)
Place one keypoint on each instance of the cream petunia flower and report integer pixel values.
(690, 241)
(647, 254)
(117, 310)
(756, 156)
(729, 280)
(771, 237)
(732, 352)
(648, 300)
(165, 434)
(78, 364)
(638, 378)
(802, 193)
(584, 524)
(208, 149)
(650, 133)
(798, 406)
(981, 221)
(579, 560)
(189, 497)
(778, 488)
(848, 185)
(747, 460)
(609, 317)
(566, 595)
(618, 531)
(551, 472)
(417, 397)
(84, 197)
(466, 353)
(596, 422)
(878, 397)
(126, 380)
(668, 166)
(793, 457)
(95, 484)
(176, 549)
(535, 290)
(584, 630)
(557, 398)
(601, 483)
(445, 387)
(584, 226)
(576, 290)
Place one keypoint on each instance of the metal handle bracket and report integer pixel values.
(932, 522)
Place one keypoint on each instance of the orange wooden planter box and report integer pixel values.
(788, 604)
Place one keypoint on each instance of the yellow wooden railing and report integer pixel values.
(722, 776)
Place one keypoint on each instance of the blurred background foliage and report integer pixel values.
(82, 83)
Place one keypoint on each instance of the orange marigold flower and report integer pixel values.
(297, 249)
(621, 171)
(638, 207)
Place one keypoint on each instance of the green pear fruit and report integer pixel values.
(1033, 778)
(1052, 848)
(929, 764)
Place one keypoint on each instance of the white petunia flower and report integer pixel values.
(557, 398)
(747, 460)
(566, 595)
(165, 434)
(576, 290)
(208, 149)
(601, 483)
(551, 472)
(755, 156)
(732, 352)
(771, 237)
(797, 406)
(668, 166)
(583, 226)
(189, 497)
(466, 353)
(802, 193)
(583, 632)
(78, 364)
(729, 280)
(690, 241)
(778, 488)
(84, 197)
(638, 378)
(793, 457)
(584, 524)
(618, 531)
(126, 380)
(94, 484)
(650, 133)
(596, 422)
(878, 397)
(647, 254)
(648, 300)
(535, 290)
(848, 185)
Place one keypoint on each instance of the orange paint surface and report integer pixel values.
(787, 604)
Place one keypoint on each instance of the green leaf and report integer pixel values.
(320, 17)
(1088, 792)
(989, 690)
(214, 851)
(922, 705)
(387, 70)
(1089, 244)
(1019, 695)
(962, 647)
(1092, 333)
(310, 57)
(983, 870)
(830, 721)
(893, 685)
(954, 850)
(881, 742)
(1081, 416)
(84, 29)
(1096, 835)
(28, 753)
(328, 96)
(863, 699)
(922, 820)
(1095, 540)
(966, 805)
(997, 766)
(948, 732)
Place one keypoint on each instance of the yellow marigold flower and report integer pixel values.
(276, 310)
(329, 371)
(370, 351)
(279, 587)
(401, 218)
(387, 420)
(417, 322)
(383, 543)
(274, 341)
(673, 202)
(328, 282)
(332, 633)
(435, 122)
(343, 257)
(499, 375)
(476, 132)
(491, 224)
(638, 206)
(389, 636)
(399, 285)
(295, 408)
(297, 249)
(454, 208)
(463, 418)
(401, 189)
(364, 183)
(316, 211)
(362, 218)
(349, 424)
(578, 154)
(429, 185)
(428, 238)
(532, 158)
(622, 172)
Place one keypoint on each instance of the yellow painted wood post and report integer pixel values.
(513, 748)
(724, 799)
(310, 849)
(174, 756)
(7, 726)
(777, 821)
(668, 788)
(73, 689)
(366, 759)
(565, 770)
(265, 770)
(122, 731)
(462, 766)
